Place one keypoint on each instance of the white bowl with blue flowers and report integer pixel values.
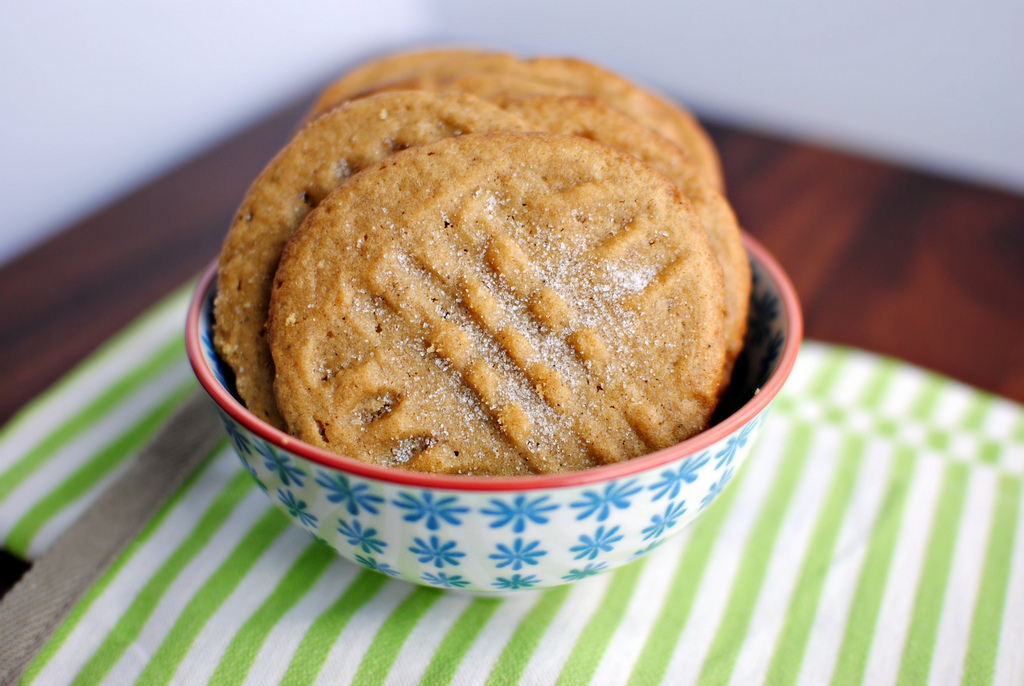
(501, 534)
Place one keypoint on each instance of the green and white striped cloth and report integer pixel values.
(874, 537)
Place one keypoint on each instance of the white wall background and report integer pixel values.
(98, 96)
(934, 83)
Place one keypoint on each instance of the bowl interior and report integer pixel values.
(766, 337)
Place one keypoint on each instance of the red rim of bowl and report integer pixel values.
(690, 446)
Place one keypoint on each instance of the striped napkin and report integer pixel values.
(873, 537)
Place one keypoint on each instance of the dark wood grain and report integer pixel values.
(67, 296)
(884, 258)
(888, 259)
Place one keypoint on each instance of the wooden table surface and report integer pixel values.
(883, 258)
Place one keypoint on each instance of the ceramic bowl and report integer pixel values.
(500, 534)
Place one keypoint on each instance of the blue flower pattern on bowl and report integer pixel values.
(672, 480)
(431, 511)
(355, 497)
(515, 582)
(281, 463)
(298, 509)
(616, 494)
(716, 488)
(590, 570)
(591, 546)
(520, 511)
(725, 457)
(534, 538)
(442, 580)
(372, 563)
(434, 551)
(660, 523)
(358, 537)
(252, 470)
(517, 555)
(649, 548)
(235, 434)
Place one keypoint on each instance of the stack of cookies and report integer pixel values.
(470, 263)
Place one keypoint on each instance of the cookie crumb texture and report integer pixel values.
(321, 156)
(502, 303)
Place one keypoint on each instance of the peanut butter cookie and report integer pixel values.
(499, 304)
(433, 70)
(592, 119)
(321, 157)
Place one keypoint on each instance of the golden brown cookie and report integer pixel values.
(487, 86)
(369, 76)
(321, 156)
(592, 119)
(499, 304)
(433, 70)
